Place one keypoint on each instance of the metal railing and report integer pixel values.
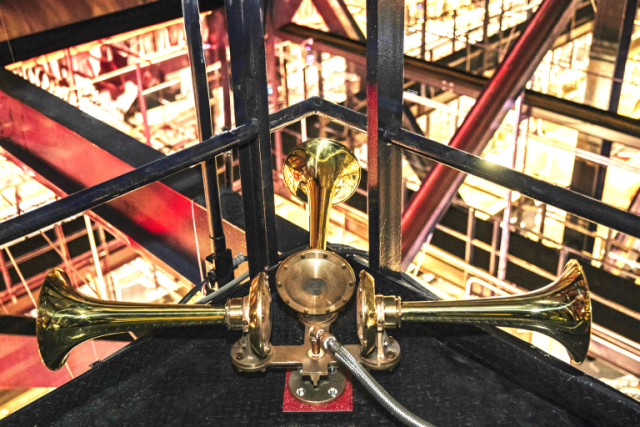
(92, 197)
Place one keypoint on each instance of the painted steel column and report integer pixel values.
(621, 57)
(223, 263)
(338, 18)
(66, 257)
(608, 54)
(272, 77)
(249, 74)
(506, 222)
(102, 286)
(436, 192)
(218, 38)
(385, 78)
(7, 278)
(143, 103)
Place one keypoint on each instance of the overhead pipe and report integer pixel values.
(435, 195)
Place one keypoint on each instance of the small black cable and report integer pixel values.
(225, 290)
(185, 299)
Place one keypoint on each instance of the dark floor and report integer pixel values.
(450, 376)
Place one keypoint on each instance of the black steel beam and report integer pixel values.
(27, 47)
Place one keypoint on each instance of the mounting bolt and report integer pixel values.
(325, 256)
(302, 256)
(344, 266)
(239, 355)
(300, 392)
(279, 284)
(332, 392)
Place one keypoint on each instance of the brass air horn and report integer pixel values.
(322, 173)
(67, 318)
(561, 310)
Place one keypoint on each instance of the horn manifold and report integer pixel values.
(321, 173)
(561, 310)
(67, 318)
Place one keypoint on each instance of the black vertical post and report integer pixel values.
(249, 75)
(385, 32)
(616, 86)
(455, 28)
(223, 263)
(218, 35)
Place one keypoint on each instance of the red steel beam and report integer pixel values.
(70, 150)
(435, 195)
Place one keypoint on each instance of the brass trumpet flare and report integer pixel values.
(67, 318)
(561, 310)
(322, 173)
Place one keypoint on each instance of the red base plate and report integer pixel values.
(344, 403)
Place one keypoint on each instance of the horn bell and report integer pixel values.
(67, 318)
(561, 310)
(322, 173)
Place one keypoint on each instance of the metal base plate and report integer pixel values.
(329, 388)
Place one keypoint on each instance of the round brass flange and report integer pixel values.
(315, 282)
(366, 313)
(252, 314)
(259, 315)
